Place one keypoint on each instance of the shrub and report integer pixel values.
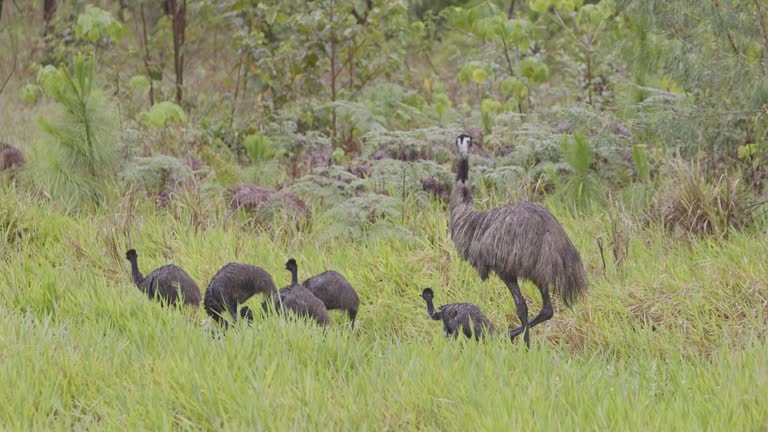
(268, 205)
(582, 186)
(367, 217)
(691, 204)
(80, 154)
(160, 176)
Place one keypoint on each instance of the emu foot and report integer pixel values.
(516, 332)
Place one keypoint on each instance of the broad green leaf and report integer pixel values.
(163, 114)
(479, 76)
(514, 87)
(540, 6)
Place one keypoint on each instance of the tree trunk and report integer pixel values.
(1, 9)
(121, 11)
(333, 80)
(49, 8)
(511, 11)
(147, 58)
(178, 9)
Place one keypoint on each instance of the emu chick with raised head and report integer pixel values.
(168, 282)
(297, 299)
(465, 318)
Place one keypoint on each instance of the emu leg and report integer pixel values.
(546, 309)
(232, 311)
(522, 311)
(352, 315)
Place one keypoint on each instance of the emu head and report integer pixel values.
(427, 294)
(464, 142)
(131, 254)
(290, 265)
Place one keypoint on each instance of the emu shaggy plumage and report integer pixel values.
(233, 285)
(167, 282)
(297, 299)
(335, 292)
(458, 318)
(522, 240)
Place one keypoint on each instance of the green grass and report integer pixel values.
(672, 341)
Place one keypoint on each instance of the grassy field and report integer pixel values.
(673, 340)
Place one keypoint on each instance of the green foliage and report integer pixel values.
(29, 93)
(338, 155)
(582, 187)
(577, 152)
(164, 114)
(95, 24)
(79, 155)
(139, 82)
(368, 217)
(747, 151)
(514, 87)
(327, 186)
(258, 148)
(642, 166)
(156, 172)
(534, 70)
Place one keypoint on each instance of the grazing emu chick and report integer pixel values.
(459, 318)
(297, 299)
(335, 293)
(516, 241)
(232, 285)
(167, 282)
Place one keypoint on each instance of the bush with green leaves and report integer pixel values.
(160, 176)
(164, 114)
(78, 157)
(95, 24)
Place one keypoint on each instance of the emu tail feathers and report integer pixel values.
(571, 283)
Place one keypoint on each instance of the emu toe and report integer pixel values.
(516, 332)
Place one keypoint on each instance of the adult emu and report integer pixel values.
(458, 318)
(232, 285)
(167, 282)
(335, 292)
(297, 299)
(520, 240)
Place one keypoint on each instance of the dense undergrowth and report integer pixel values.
(678, 328)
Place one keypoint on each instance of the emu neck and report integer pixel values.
(461, 197)
(463, 172)
(431, 309)
(137, 276)
(294, 276)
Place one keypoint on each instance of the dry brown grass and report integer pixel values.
(689, 203)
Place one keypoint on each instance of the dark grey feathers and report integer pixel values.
(233, 285)
(168, 282)
(335, 292)
(463, 318)
(520, 240)
(300, 301)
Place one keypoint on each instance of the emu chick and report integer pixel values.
(234, 284)
(458, 318)
(299, 300)
(335, 292)
(167, 282)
